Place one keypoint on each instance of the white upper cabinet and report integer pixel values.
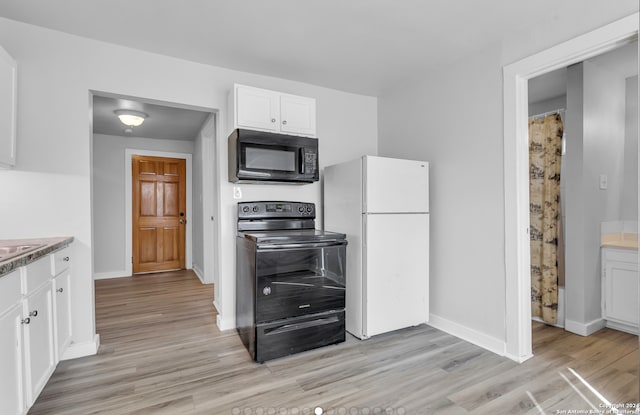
(8, 98)
(298, 115)
(264, 110)
(257, 108)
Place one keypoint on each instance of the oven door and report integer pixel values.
(298, 279)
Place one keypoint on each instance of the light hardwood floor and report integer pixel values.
(162, 353)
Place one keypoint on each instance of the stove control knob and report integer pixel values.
(256, 208)
(245, 209)
(309, 208)
(300, 209)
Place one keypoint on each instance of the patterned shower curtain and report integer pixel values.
(545, 151)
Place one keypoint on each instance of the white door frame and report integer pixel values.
(128, 203)
(516, 166)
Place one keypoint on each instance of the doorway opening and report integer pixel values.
(594, 104)
(169, 130)
(516, 163)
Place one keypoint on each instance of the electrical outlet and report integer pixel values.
(237, 192)
(603, 181)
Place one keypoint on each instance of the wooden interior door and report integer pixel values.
(159, 213)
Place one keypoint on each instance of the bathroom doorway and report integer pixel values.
(589, 98)
(516, 76)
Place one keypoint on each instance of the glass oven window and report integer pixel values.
(257, 158)
(316, 266)
(295, 282)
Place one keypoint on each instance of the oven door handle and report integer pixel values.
(298, 326)
(304, 245)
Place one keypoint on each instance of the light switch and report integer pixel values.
(237, 192)
(603, 181)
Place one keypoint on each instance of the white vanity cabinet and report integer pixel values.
(8, 108)
(620, 287)
(265, 110)
(12, 396)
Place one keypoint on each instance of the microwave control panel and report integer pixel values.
(310, 162)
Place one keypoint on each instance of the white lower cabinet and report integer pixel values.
(62, 311)
(38, 340)
(11, 363)
(35, 328)
(620, 287)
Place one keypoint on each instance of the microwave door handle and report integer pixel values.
(302, 161)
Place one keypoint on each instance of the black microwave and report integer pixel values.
(257, 156)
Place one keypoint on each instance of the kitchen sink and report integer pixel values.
(10, 251)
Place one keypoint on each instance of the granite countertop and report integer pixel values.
(619, 240)
(48, 245)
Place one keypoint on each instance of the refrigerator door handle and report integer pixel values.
(364, 231)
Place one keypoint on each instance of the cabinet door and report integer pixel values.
(298, 115)
(257, 109)
(11, 375)
(621, 297)
(8, 82)
(39, 341)
(62, 321)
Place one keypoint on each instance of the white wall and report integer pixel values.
(109, 196)
(48, 192)
(204, 257)
(595, 134)
(603, 153)
(453, 117)
(548, 105)
(629, 207)
(197, 258)
(575, 213)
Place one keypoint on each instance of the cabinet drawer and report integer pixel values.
(60, 261)
(295, 335)
(621, 255)
(9, 291)
(35, 274)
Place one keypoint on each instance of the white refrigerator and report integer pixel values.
(382, 205)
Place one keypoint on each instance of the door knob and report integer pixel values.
(182, 221)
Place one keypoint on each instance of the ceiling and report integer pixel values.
(163, 122)
(361, 46)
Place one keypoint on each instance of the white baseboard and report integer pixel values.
(539, 320)
(627, 328)
(584, 329)
(199, 273)
(485, 341)
(224, 324)
(76, 350)
(111, 274)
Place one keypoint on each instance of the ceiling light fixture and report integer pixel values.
(131, 118)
